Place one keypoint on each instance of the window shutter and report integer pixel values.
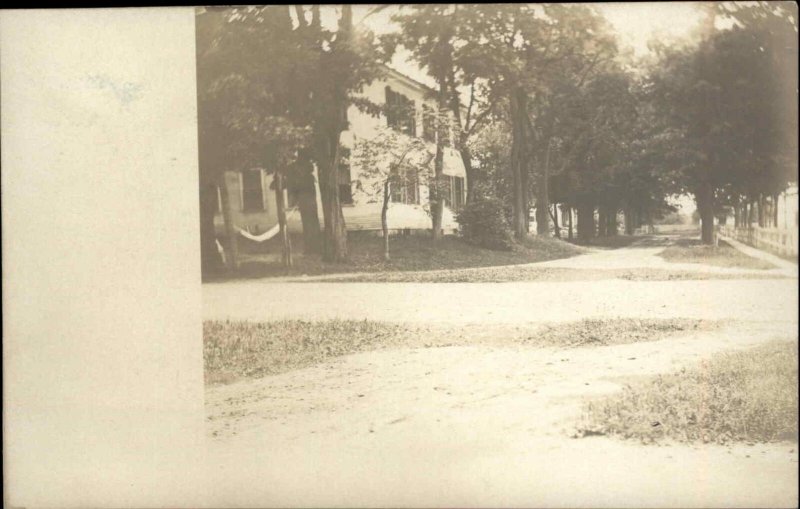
(389, 104)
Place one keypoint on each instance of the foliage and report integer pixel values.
(391, 157)
(243, 91)
(483, 223)
(725, 110)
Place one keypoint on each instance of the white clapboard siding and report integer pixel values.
(400, 216)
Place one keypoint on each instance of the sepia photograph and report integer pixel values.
(501, 255)
(424, 255)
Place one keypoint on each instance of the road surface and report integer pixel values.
(486, 425)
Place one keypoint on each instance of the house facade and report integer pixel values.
(253, 201)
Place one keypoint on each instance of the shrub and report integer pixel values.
(483, 223)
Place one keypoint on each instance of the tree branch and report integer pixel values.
(301, 16)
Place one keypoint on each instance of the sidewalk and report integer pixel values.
(787, 266)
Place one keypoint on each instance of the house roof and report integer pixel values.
(408, 80)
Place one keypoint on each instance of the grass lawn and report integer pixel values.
(688, 250)
(236, 350)
(408, 253)
(748, 396)
(613, 242)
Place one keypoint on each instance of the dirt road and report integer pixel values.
(486, 426)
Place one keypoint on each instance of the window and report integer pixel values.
(400, 113)
(252, 191)
(458, 192)
(405, 189)
(428, 124)
(454, 192)
(345, 179)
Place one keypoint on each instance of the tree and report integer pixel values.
(257, 65)
(730, 137)
(347, 59)
(388, 159)
(438, 38)
(242, 120)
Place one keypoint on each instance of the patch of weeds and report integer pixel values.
(748, 396)
(693, 251)
(233, 350)
(615, 331)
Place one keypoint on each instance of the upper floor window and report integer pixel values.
(400, 113)
(252, 191)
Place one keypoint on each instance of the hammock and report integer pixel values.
(267, 234)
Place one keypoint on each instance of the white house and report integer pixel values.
(253, 202)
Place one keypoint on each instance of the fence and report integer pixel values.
(777, 241)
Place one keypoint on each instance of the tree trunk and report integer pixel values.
(628, 213)
(385, 221)
(774, 210)
(586, 226)
(602, 221)
(309, 216)
(284, 230)
(435, 197)
(334, 247)
(543, 198)
(232, 240)
(704, 197)
(332, 98)
(301, 182)
(569, 222)
(466, 159)
(611, 228)
(210, 260)
(748, 213)
(556, 227)
(519, 166)
(761, 212)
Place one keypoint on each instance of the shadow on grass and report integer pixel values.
(612, 242)
(408, 253)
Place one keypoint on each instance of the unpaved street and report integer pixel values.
(486, 425)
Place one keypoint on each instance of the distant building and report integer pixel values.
(253, 201)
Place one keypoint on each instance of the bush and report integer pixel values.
(483, 223)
